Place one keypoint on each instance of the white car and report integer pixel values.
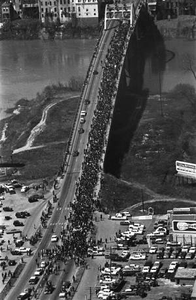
(83, 113)
(82, 120)
(173, 265)
(62, 295)
(107, 280)
(146, 269)
(154, 269)
(54, 238)
(38, 272)
(157, 264)
(43, 264)
(23, 249)
(161, 229)
(192, 250)
(110, 271)
(119, 217)
(103, 294)
(137, 256)
(126, 213)
(24, 189)
(153, 250)
(185, 249)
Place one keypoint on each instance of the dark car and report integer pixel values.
(24, 296)
(81, 130)
(65, 285)
(8, 218)
(182, 264)
(125, 222)
(87, 102)
(11, 262)
(182, 255)
(160, 255)
(34, 198)
(18, 223)
(48, 290)
(75, 153)
(7, 208)
(22, 214)
(167, 255)
(16, 252)
(17, 185)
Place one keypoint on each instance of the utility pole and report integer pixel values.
(142, 201)
(90, 294)
(160, 89)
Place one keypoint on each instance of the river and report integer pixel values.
(26, 67)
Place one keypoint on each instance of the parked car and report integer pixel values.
(24, 189)
(33, 280)
(162, 272)
(173, 265)
(34, 198)
(18, 223)
(22, 214)
(192, 250)
(7, 208)
(43, 264)
(182, 264)
(39, 272)
(153, 250)
(82, 120)
(16, 252)
(75, 153)
(146, 269)
(185, 249)
(81, 130)
(54, 238)
(189, 255)
(24, 295)
(11, 262)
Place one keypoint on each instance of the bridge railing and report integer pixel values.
(113, 98)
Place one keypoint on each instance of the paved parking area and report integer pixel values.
(106, 230)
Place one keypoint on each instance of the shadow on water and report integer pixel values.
(146, 42)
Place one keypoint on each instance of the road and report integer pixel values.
(73, 169)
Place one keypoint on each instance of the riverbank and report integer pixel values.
(147, 170)
(30, 29)
(182, 27)
(44, 150)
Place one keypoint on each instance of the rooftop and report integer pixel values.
(185, 273)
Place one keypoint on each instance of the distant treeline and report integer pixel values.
(29, 29)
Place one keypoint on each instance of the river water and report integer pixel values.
(26, 67)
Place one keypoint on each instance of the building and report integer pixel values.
(185, 276)
(83, 12)
(30, 9)
(87, 12)
(173, 8)
(6, 11)
(183, 225)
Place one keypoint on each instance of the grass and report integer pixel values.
(42, 162)
(150, 163)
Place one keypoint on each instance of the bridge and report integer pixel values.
(84, 158)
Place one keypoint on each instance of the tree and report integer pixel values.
(189, 64)
(186, 92)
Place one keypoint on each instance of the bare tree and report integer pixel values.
(189, 64)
